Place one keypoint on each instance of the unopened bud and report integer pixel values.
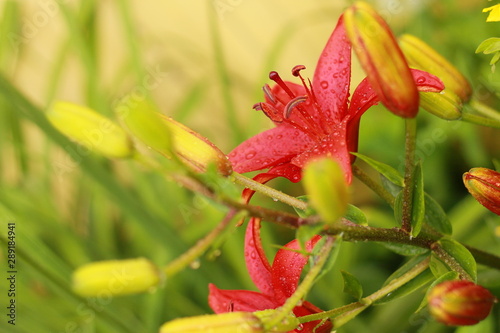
(484, 185)
(289, 323)
(229, 322)
(90, 129)
(460, 303)
(170, 138)
(446, 104)
(116, 277)
(421, 56)
(326, 187)
(382, 59)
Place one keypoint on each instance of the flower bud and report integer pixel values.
(90, 129)
(289, 323)
(116, 277)
(325, 184)
(170, 138)
(422, 56)
(229, 322)
(484, 185)
(460, 303)
(445, 104)
(382, 59)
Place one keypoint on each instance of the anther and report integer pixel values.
(269, 94)
(296, 70)
(293, 104)
(276, 78)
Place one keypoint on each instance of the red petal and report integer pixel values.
(222, 301)
(306, 309)
(287, 267)
(255, 258)
(426, 82)
(333, 75)
(334, 145)
(274, 146)
(287, 170)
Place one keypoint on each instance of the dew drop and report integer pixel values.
(279, 136)
(324, 84)
(269, 137)
(195, 264)
(421, 80)
(250, 155)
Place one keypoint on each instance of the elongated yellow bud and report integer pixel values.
(382, 59)
(116, 277)
(90, 129)
(422, 56)
(229, 322)
(170, 137)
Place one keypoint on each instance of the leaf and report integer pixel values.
(404, 249)
(438, 268)
(355, 215)
(352, 286)
(332, 258)
(461, 255)
(412, 285)
(489, 45)
(448, 276)
(436, 217)
(386, 170)
(418, 206)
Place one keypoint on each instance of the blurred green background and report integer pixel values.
(203, 63)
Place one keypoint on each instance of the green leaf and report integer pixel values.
(436, 217)
(332, 258)
(438, 268)
(352, 286)
(418, 206)
(418, 282)
(448, 276)
(355, 215)
(489, 45)
(461, 255)
(404, 249)
(386, 170)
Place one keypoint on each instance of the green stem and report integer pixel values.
(268, 191)
(201, 246)
(376, 187)
(450, 261)
(348, 312)
(480, 120)
(484, 109)
(304, 286)
(410, 144)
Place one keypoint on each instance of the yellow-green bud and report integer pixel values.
(422, 56)
(289, 323)
(170, 137)
(90, 129)
(382, 59)
(116, 277)
(445, 104)
(326, 187)
(229, 322)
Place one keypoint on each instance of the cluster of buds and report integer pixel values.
(460, 303)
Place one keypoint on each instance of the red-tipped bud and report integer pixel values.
(484, 185)
(382, 59)
(460, 303)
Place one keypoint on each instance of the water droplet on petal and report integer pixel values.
(324, 84)
(421, 80)
(250, 155)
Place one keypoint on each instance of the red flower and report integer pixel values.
(276, 282)
(314, 119)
